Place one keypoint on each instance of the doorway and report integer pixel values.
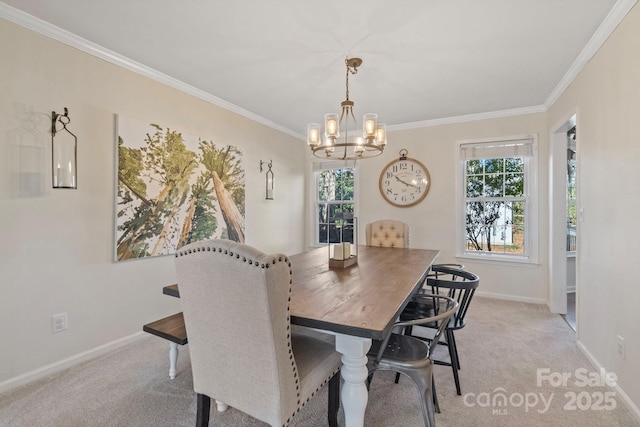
(572, 225)
(563, 218)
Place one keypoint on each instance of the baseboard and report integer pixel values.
(511, 298)
(28, 377)
(619, 391)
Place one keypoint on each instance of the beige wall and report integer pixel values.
(57, 245)
(605, 96)
(433, 221)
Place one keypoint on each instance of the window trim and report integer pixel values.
(531, 220)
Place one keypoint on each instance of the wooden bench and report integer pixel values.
(170, 328)
(171, 290)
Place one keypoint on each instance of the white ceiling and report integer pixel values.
(283, 60)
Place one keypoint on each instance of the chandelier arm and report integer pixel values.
(355, 122)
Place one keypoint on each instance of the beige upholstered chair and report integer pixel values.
(235, 301)
(388, 233)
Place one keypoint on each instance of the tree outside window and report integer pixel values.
(498, 205)
(495, 205)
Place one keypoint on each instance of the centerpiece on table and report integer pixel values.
(343, 240)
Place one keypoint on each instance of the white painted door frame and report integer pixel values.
(558, 217)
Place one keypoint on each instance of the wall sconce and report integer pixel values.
(63, 152)
(269, 179)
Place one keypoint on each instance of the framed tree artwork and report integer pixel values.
(174, 189)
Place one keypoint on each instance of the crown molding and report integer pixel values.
(470, 118)
(611, 21)
(49, 30)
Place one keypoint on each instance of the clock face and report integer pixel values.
(404, 182)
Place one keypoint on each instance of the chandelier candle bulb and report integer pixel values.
(369, 128)
(381, 135)
(331, 125)
(313, 134)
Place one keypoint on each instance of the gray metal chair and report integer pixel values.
(434, 272)
(411, 356)
(244, 351)
(458, 284)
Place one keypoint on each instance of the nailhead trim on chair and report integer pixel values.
(293, 364)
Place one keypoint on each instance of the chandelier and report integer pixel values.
(348, 147)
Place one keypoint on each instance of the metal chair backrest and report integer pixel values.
(455, 283)
(444, 309)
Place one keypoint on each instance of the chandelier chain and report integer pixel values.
(347, 83)
(352, 68)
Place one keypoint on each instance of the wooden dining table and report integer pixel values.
(356, 304)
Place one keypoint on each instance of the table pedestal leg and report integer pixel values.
(354, 372)
(173, 359)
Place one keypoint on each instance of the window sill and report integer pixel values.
(500, 259)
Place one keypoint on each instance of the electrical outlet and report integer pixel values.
(621, 347)
(59, 322)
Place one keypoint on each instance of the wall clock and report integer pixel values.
(405, 181)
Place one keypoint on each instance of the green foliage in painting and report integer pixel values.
(129, 169)
(224, 166)
(203, 220)
(169, 195)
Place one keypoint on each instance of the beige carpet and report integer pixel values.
(501, 349)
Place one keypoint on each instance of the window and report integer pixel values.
(334, 205)
(498, 219)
